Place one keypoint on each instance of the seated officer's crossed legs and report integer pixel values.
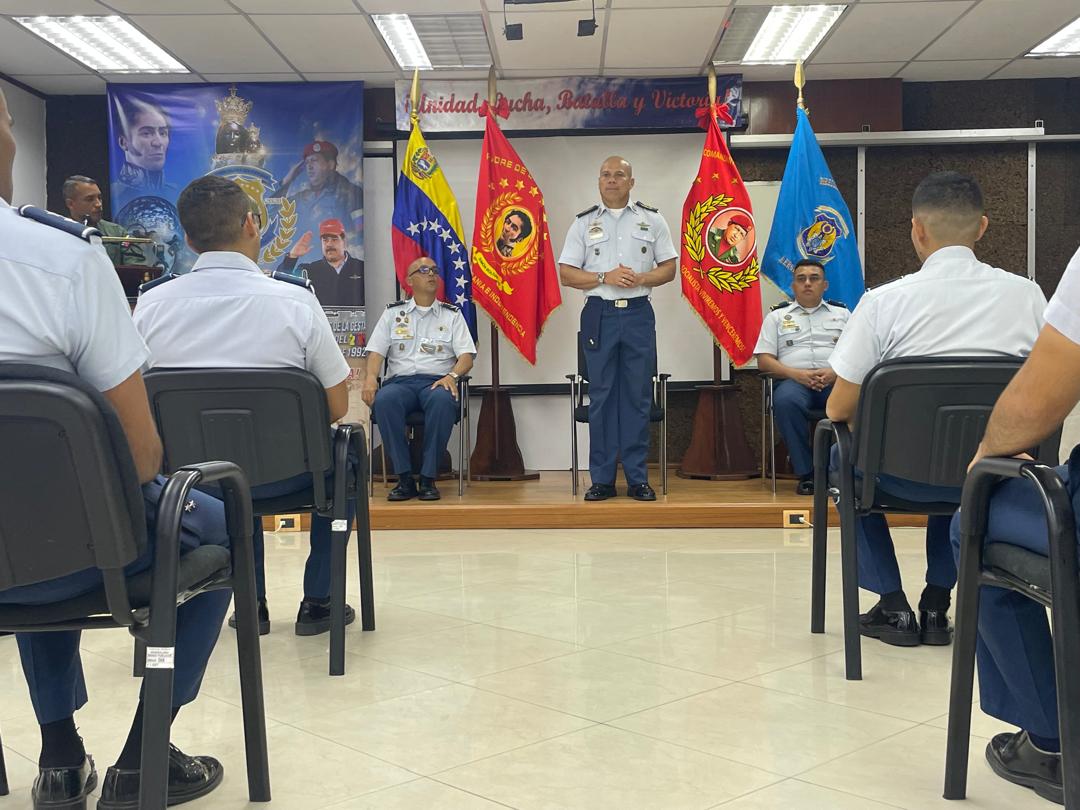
(427, 348)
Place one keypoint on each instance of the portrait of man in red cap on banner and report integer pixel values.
(337, 276)
(731, 237)
(325, 193)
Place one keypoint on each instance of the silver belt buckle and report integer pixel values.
(622, 303)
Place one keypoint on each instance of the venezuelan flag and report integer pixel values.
(427, 223)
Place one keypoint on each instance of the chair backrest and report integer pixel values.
(69, 497)
(922, 418)
(273, 423)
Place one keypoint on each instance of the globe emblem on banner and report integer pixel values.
(277, 214)
(157, 219)
(817, 240)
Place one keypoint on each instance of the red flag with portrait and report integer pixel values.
(719, 263)
(513, 268)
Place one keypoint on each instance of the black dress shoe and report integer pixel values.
(600, 492)
(313, 617)
(641, 492)
(934, 628)
(428, 490)
(896, 627)
(64, 788)
(264, 619)
(1015, 758)
(189, 778)
(805, 486)
(405, 489)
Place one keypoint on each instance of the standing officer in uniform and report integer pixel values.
(226, 314)
(338, 277)
(795, 343)
(955, 306)
(428, 348)
(62, 306)
(1015, 650)
(616, 252)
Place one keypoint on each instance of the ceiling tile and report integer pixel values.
(886, 32)
(1002, 29)
(423, 6)
(172, 6)
(224, 78)
(1065, 67)
(291, 6)
(576, 6)
(54, 7)
(81, 85)
(549, 39)
(313, 42)
(24, 53)
(152, 78)
(235, 45)
(669, 71)
(685, 39)
(951, 71)
(857, 70)
(761, 73)
(665, 4)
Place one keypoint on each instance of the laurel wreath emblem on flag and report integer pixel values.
(695, 247)
(527, 259)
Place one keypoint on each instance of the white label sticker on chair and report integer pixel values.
(160, 657)
(339, 526)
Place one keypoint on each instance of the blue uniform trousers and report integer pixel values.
(51, 661)
(620, 356)
(1014, 651)
(402, 395)
(878, 569)
(792, 403)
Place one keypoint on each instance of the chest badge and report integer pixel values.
(596, 231)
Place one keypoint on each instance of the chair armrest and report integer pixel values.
(663, 377)
(343, 438)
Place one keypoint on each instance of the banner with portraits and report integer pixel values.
(295, 148)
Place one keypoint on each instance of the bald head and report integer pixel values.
(946, 209)
(7, 151)
(616, 180)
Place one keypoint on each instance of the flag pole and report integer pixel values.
(492, 93)
(721, 361)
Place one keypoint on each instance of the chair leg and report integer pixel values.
(461, 449)
(820, 531)
(764, 414)
(961, 685)
(371, 458)
(573, 440)
(138, 664)
(664, 437)
(367, 584)
(772, 439)
(3, 772)
(849, 568)
(337, 595)
(1065, 615)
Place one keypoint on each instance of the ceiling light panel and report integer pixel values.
(739, 31)
(403, 41)
(454, 40)
(791, 33)
(1065, 42)
(106, 44)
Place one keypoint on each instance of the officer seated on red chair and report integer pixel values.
(428, 348)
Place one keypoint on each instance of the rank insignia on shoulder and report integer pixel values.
(640, 204)
(289, 278)
(396, 304)
(449, 306)
(781, 305)
(61, 223)
(836, 304)
(157, 282)
(587, 211)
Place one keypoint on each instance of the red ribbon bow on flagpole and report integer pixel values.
(500, 110)
(719, 109)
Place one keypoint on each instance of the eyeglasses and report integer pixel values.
(425, 270)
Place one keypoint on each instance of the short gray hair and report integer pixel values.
(73, 181)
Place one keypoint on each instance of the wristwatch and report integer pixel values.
(600, 277)
(453, 376)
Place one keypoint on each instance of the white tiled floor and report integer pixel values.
(562, 669)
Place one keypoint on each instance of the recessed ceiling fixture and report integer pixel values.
(791, 33)
(402, 39)
(429, 41)
(106, 44)
(1065, 42)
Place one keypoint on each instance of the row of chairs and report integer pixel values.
(79, 506)
(922, 419)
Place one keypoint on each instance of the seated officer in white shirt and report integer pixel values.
(795, 342)
(226, 313)
(427, 347)
(1015, 649)
(953, 306)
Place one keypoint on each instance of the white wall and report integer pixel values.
(29, 113)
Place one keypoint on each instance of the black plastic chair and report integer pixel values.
(76, 505)
(768, 449)
(918, 418)
(579, 414)
(1050, 581)
(416, 420)
(274, 424)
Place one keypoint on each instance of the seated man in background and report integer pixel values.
(83, 200)
(338, 277)
(956, 306)
(1015, 650)
(795, 343)
(226, 313)
(428, 348)
(87, 330)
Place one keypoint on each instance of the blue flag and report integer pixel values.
(812, 221)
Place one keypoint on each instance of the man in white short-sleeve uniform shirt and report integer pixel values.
(1015, 652)
(954, 305)
(226, 313)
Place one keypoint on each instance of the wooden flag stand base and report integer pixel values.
(718, 448)
(497, 456)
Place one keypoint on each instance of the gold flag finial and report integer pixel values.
(414, 98)
(800, 82)
(712, 86)
(492, 92)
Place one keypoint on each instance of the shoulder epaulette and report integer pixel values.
(289, 278)
(84, 232)
(586, 211)
(397, 304)
(451, 307)
(890, 281)
(781, 305)
(640, 204)
(157, 282)
(840, 304)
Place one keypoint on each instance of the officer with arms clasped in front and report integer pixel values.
(794, 345)
(428, 348)
(617, 252)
